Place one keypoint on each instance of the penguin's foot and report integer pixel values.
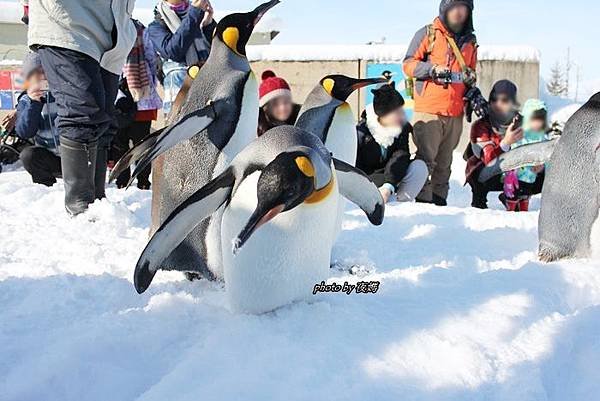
(192, 276)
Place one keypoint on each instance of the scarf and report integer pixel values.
(384, 136)
(135, 70)
(171, 17)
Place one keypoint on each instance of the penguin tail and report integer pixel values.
(143, 276)
(134, 154)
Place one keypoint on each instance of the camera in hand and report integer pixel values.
(443, 77)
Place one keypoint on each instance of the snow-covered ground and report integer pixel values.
(464, 312)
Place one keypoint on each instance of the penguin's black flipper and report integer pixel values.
(134, 154)
(355, 186)
(186, 128)
(179, 224)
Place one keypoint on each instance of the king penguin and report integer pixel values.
(327, 114)
(285, 178)
(218, 119)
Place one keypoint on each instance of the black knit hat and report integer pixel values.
(386, 99)
(506, 88)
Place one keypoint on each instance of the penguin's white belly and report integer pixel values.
(342, 141)
(283, 259)
(245, 133)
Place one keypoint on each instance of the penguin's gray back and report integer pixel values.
(317, 113)
(570, 198)
(192, 164)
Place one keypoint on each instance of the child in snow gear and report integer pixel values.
(275, 101)
(383, 152)
(516, 182)
(447, 49)
(36, 115)
(490, 137)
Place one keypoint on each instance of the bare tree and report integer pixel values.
(557, 85)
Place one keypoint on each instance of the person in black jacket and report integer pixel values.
(383, 152)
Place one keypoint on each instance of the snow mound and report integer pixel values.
(379, 53)
(463, 311)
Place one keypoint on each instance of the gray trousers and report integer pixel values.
(436, 138)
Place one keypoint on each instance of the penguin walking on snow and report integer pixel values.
(218, 120)
(327, 114)
(285, 178)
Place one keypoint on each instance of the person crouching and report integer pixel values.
(36, 113)
(383, 150)
(276, 104)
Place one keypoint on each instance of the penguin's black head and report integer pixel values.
(235, 29)
(285, 183)
(341, 87)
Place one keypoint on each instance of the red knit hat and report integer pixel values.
(271, 87)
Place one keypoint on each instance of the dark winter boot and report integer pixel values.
(439, 201)
(479, 200)
(100, 175)
(78, 161)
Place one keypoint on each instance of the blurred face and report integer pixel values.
(502, 105)
(175, 2)
(395, 118)
(280, 108)
(537, 124)
(457, 17)
(36, 77)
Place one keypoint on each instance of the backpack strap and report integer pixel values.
(458, 54)
(430, 38)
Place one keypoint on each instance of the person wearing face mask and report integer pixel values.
(275, 101)
(383, 150)
(440, 63)
(492, 136)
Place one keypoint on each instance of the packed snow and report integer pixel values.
(379, 53)
(463, 312)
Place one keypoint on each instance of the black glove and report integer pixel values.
(475, 103)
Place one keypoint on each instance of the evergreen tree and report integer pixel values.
(557, 85)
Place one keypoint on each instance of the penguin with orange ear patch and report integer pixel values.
(218, 119)
(327, 114)
(280, 198)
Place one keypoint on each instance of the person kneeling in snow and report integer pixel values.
(276, 105)
(36, 113)
(518, 184)
(492, 136)
(383, 152)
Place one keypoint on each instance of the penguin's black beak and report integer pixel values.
(341, 87)
(259, 218)
(261, 10)
(283, 184)
(361, 83)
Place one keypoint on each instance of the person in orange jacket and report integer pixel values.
(442, 78)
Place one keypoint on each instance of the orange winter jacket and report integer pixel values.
(431, 97)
